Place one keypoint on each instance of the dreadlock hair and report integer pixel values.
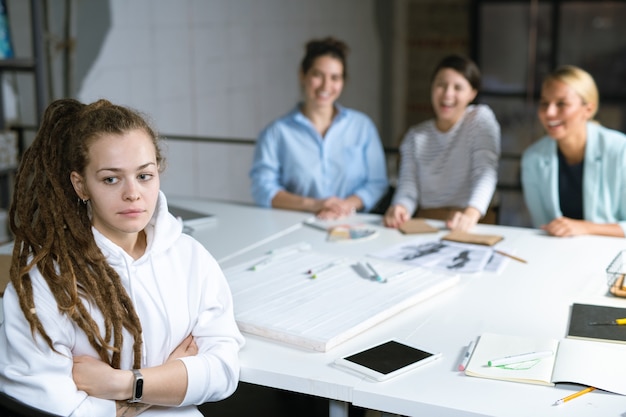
(52, 228)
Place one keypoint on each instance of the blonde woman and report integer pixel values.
(574, 178)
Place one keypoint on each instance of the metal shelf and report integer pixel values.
(18, 64)
(35, 66)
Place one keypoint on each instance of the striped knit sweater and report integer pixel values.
(457, 168)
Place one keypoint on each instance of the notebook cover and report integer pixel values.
(583, 314)
(417, 226)
(464, 237)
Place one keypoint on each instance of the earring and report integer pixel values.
(85, 201)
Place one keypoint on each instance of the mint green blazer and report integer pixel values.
(604, 178)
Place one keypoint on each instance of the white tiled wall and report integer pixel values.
(224, 68)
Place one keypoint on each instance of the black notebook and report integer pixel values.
(584, 314)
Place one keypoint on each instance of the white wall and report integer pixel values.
(223, 68)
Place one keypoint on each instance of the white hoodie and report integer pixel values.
(177, 289)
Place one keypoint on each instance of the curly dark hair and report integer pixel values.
(321, 47)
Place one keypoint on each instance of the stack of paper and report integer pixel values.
(317, 301)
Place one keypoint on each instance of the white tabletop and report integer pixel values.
(239, 227)
(531, 299)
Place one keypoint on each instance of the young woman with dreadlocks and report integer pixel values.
(111, 309)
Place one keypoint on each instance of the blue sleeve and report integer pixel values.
(616, 192)
(265, 172)
(376, 185)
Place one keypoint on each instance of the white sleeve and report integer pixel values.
(33, 373)
(485, 134)
(213, 373)
(407, 192)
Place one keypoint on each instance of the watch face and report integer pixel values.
(139, 388)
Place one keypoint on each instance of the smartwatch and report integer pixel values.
(137, 387)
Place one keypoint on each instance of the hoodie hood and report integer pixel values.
(162, 231)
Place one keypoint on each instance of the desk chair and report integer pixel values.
(10, 407)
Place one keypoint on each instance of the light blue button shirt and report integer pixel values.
(291, 155)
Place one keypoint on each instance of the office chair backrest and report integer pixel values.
(10, 407)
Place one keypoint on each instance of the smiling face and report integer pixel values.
(323, 82)
(121, 182)
(562, 112)
(451, 93)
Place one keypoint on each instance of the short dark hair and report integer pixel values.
(327, 46)
(463, 65)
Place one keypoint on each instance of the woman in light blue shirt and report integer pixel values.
(320, 157)
(574, 179)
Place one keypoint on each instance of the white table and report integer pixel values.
(530, 299)
(238, 227)
(526, 299)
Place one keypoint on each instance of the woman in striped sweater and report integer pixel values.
(448, 167)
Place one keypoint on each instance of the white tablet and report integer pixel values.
(386, 360)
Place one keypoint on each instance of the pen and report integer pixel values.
(507, 360)
(290, 249)
(401, 273)
(510, 256)
(275, 255)
(265, 262)
(377, 276)
(616, 322)
(574, 395)
(315, 272)
(466, 357)
(314, 225)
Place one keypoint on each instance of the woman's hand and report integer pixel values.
(335, 208)
(99, 379)
(395, 216)
(463, 220)
(186, 348)
(564, 226)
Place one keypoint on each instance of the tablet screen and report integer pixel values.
(388, 357)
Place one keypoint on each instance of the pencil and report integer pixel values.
(574, 395)
(510, 256)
